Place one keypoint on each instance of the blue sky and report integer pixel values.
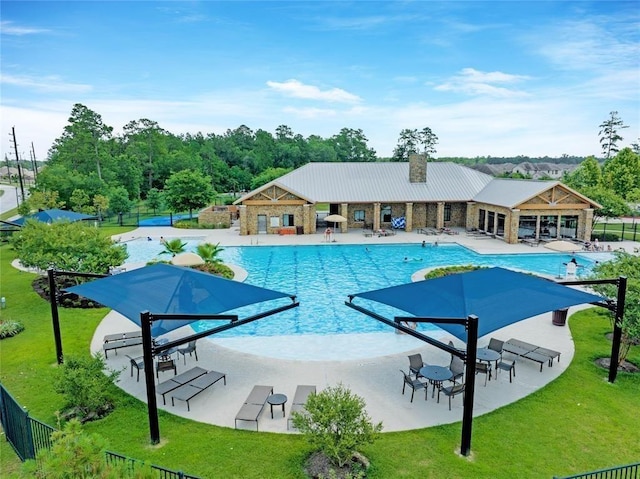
(496, 78)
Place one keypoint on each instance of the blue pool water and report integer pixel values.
(322, 276)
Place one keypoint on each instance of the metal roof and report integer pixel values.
(381, 182)
(511, 192)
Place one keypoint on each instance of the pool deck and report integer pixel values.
(369, 364)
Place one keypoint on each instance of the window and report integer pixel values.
(274, 221)
(358, 215)
(447, 212)
(287, 220)
(385, 214)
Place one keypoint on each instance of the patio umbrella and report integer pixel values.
(335, 219)
(561, 245)
(187, 259)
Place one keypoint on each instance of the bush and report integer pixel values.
(608, 237)
(10, 328)
(335, 421)
(66, 246)
(447, 270)
(88, 390)
(74, 454)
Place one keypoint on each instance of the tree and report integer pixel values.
(268, 175)
(628, 265)
(66, 246)
(609, 136)
(79, 200)
(188, 190)
(622, 173)
(428, 140)
(335, 421)
(82, 142)
(119, 202)
(351, 145)
(101, 204)
(146, 141)
(154, 200)
(587, 175)
(613, 206)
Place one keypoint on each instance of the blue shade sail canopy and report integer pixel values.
(498, 296)
(50, 216)
(168, 289)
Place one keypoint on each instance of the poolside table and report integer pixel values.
(436, 375)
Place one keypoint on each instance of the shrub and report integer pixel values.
(88, 390)
(335, 421)
(76, 454)
(10, 328)
(447, 270)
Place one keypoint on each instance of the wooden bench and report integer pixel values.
(254, 404)
(112, 345)
(299, 400)
(194, 387)
(179, 380)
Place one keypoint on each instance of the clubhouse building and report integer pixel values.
(413, 195)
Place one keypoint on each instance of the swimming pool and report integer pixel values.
(322, 276)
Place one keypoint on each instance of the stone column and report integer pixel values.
(376, 216)
(513, 226)
(408, 217)
(538, 226)
(470, 221)
(440, 215)
(244, 227)
(344, 211)
(558, 235)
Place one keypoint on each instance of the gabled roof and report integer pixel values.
(380, 182)
(511, 193)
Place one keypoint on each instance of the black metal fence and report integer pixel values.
(631, 471)
(621, 230)
(28, 436)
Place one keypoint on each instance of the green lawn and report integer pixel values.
(579, 422)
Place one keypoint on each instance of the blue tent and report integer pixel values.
(50, 216)
(170, 289)
(498, 296)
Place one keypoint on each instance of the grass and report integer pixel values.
(631, 230)
(579, 422)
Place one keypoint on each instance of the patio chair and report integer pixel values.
(189, 349)
(483, 368)
(507, 365)
(451, 391)
(415, 364)
(457, 368)
(166, 365)
(137, 364)
(496, 345)
(414, 384)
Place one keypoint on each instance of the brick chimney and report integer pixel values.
(417, 168)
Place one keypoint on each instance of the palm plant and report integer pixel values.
(209, 252)
(173, 246)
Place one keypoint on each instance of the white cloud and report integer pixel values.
(296, 89)
(9, 28)
(474, 82)
(52, 83)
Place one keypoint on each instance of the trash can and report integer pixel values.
(560, 317)
(299, 230)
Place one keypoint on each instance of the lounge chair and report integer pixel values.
(254, 404)
(194, 387)
(414, 384)
(174, 383)
(299, 401)
(531, 351)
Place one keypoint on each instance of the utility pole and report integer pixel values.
(15, 148)
(34, 161)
